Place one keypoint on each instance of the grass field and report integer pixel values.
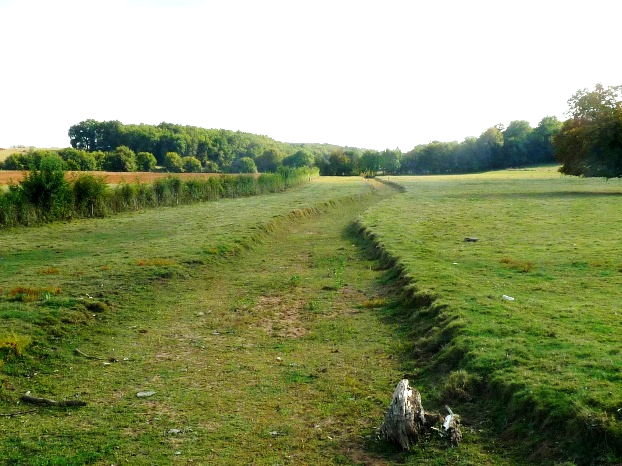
(181, 307)
(270, 335)
(552, 354)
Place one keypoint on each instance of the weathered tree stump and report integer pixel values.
(405, 418)
(406, 421)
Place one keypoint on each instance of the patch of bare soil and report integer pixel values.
(282, 316)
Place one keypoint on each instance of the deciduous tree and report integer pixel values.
(590, 143)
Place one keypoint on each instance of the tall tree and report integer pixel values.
(541, 140)
(590, 143)
(370, 162)
(516, 144)
(589, 104)
(489, 149)
(390, 161)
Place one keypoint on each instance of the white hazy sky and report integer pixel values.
(372, 74)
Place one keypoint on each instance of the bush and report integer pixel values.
(89, 195)
(45, 194)
(78, 160)
(210, 167)
(146, 161)
(122, 159)
(244, 165)
(191, 165)
(15, 162)
(173, 162)
(47, 190)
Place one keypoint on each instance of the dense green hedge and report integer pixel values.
(44, 195)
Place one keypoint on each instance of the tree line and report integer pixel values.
(589, 143)
(497, 147)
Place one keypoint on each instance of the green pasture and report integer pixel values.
(552, 354)
(271, 334)
(105, 256)
(246, 317)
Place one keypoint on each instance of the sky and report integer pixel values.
(369, 74)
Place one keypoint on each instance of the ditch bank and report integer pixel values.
(443, 353)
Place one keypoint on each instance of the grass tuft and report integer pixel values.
(374, 303)
(458, 386)
(15, 344)
(520, 266)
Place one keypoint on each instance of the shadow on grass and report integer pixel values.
(538, 195)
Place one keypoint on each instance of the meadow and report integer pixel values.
(243, 316)
(272, 329)
(529, 314)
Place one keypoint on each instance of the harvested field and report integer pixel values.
(8, 176)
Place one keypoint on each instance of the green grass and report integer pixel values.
(203, 330)
(104, 258)
(553, 354)
(270, 336)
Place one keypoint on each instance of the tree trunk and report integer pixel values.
(405, 418)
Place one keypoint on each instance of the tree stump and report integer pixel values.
(405, 418)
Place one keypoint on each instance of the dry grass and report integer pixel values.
(15, 344)
(112, 178)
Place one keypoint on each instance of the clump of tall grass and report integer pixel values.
(14, 343)
(520, 266)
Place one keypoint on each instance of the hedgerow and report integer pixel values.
(45, 195)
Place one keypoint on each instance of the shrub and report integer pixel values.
(191, 165)
(210, 167)
(146, 161)
(78, 160)
(89, 195)
(244, 165)
(173, 162)
(15, 162)
(122, 159)
(168, 190)
(47, 190)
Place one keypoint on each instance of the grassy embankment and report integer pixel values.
(551, 358)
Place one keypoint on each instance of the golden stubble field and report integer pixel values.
(14, 176)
